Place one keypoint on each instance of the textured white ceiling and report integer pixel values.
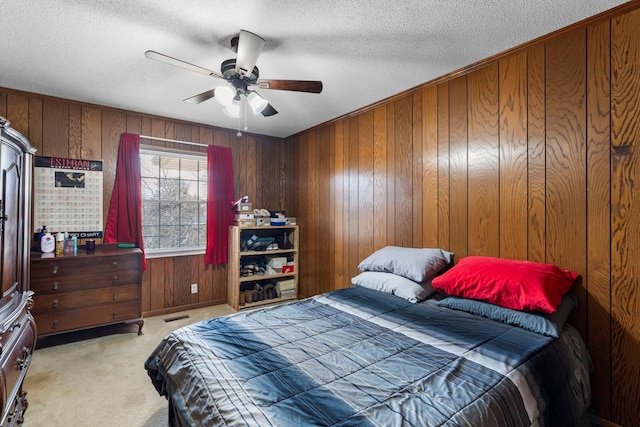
(363, 51)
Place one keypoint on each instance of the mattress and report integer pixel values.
(362, 357)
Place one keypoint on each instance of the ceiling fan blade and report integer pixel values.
(269, 111)
(179, 63)
(201, 97)
(313, 86)
(249, 47)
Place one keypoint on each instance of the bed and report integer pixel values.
(369, 357)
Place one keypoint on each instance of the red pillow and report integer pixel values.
(519, 285)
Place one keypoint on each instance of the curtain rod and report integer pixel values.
(173, 140)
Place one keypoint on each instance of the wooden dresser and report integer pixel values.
(17, 328)
(88, 289)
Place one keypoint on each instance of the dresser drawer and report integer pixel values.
(87, 317)
(63, 301)
(57, 284)
(17, 347)
(80, 266)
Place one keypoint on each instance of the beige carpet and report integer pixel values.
(97, 377)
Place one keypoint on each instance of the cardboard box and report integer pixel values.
(246, 223)
(276, 261)
(287, 268)
(263, 221)
(284, 285)
(243, 207)
(241, 216)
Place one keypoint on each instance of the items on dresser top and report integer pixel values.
(91, 288)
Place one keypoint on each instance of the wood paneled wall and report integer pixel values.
(64, 128)
(532, 156)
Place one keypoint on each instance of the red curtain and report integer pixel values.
(124, 220)
(219, 199)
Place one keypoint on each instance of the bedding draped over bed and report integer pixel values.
(361, 357)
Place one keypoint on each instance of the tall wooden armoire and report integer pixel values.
(17, 327)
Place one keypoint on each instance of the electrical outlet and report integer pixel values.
(194, 288)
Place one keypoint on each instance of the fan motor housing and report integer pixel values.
(230, 72)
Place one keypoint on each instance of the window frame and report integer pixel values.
(180, 154)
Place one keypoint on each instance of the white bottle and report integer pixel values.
(47, 243)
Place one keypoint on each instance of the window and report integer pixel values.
(174, 201)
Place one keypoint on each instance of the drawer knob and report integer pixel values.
(22, 361)
(55, 303)
(115, 296)
(115, 279)
(115, 264)
(55, 286)
(115, 314)
(55, 269)
(14, 326)
(54, 325)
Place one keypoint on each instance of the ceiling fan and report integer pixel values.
(242, 77)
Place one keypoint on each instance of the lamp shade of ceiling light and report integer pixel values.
(233, 109)
(224, 94)
(256, 102)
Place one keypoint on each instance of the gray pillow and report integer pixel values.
(417, 264)
(394, 284)
(542, 323)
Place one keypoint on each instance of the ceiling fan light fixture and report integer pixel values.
(225, 95)
(256, 102)
(233, 109)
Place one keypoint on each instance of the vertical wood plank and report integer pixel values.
(168, 282)
(35, 124)
(75, 131)
(55, 128)
(403, 153)
(18, 112)
(416, 171)
(483, 162)
(566, 159)
(536, 155)
(380, 201)
(323, 206)
(353, 147)
(391, 178)
(458, 146)
(91, 130)
(3, 104)
(338, 189)
(625, 222)
(444, 161)
(155, 270)
(598, 275)
(513, 157)
(365, 184)
(430, 167)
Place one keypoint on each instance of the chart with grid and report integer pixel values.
(68, 196)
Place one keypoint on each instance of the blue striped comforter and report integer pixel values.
(361, 357)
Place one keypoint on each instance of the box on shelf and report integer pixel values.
(243, 207)
(285, 285)
(278, 221)
(287, 268)
(291, 220)
(263, 221)
(276, 261)
(241, 216)
(288, 293)
(246, 223)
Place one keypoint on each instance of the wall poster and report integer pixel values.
(68, 196)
